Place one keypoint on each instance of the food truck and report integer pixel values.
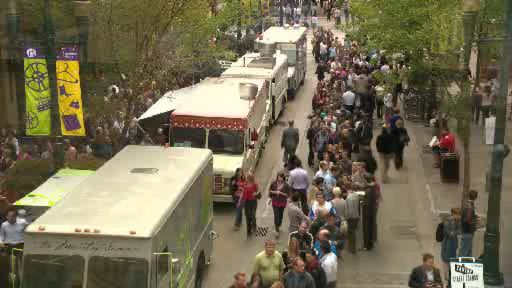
(144, 219)
(227, 116)
(269, 65)
(292, 41)
(51, 192)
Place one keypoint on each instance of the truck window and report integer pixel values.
(108, 272)
(226, 141)
(53, 271)
(189, 137)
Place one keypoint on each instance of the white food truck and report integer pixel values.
(144, 219)
(292, 41)
(267, 65)
(227, 116)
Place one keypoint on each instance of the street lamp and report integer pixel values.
(82, 22)
(498, 152)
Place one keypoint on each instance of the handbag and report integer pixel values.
(344, 227)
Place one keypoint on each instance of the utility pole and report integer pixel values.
(499, 151)
(49, 31)
(15, 70)
(82, 23)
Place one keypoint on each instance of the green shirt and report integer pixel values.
(269, 267)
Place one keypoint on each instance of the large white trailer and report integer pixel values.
(292, 41)
(144, 219)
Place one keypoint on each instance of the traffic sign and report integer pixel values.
(465, 274)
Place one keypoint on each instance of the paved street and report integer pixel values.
(406, 224)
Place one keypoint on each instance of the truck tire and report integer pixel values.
(200, 271)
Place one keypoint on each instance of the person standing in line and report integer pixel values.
(298, 277)
(386, 146)
(313, 267)
(349, 99)
(339, 204)
(269, 264)
(240, 281)
(278, 196)
(329, 262)
(237, 184)
(250, 198)
(321, 67)
(352, 216)
(311, 133)
(346, 10)
(476, 104)
(449, 245)
(468, 223)
(426, 275)
(303, 236)
(295, 214)
(290, 254)
(299, 182)
(289, 141)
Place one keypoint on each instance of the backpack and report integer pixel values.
(440, 232)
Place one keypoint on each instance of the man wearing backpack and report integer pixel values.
(468, 225)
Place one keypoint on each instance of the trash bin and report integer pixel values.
(449, 168)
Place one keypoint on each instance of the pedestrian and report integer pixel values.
(449, 245)
(476, 104)
(295, 214)
(314, 20)
(426, 275)
(469, 220)
(12, 231)
(445, 145)
(289, 141)
(346, 10)
(394, 117)
(299, 182)
(403, 140)
(321, 67)
(388, 106)
(337, 238)
(320, 204)
(340, 206)
(313, 267)
(349, 99)
(269, 264)
(386, 146)
(321, 141)
(240, 281)
(311, 133)
(352, 216)
(329, 182)
(323, 235)
(303, 236)
(329, 262)
(290, 254)
(298, 277)
(237, 184)
(250, 198)
(256, 281)
(278, 196)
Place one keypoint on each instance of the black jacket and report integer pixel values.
(364, 134)
(418, 277)
(319, 276)
(386, 143)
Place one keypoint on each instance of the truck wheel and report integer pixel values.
(199, 272)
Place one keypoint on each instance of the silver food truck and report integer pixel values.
(227, 116)
(144, 219)
(291, 41)
(269, 65)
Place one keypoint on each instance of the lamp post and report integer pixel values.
(82, 23)
(499, 151)
(51, 59)
(13, 26)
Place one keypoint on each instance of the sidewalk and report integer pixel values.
(444, 196)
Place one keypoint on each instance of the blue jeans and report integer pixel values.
(466, 245)
(238, 212)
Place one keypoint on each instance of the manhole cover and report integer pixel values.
(404, 231)
(261, 232)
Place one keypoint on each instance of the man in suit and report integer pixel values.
(289, 141)
(426, 275)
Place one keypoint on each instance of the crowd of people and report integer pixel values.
(298, 11)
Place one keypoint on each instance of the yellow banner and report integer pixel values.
(70, 94)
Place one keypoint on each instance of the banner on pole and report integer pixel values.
(37, 94)
(69, 92)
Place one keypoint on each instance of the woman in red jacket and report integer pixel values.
(250, 196)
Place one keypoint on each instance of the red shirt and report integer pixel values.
(447, 142)
(250, 190)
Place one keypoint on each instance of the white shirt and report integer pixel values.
(323, 48)
(349, 98)
(298, 11)
(329, 263)
(314, 20)
(384, 68)
(316, 206)
(13, 233)
(321, 173)
(388, 100)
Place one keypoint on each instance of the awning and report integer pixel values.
(184, 121)
(163, 105)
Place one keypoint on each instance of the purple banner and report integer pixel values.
(33, 53)
(68, 54)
